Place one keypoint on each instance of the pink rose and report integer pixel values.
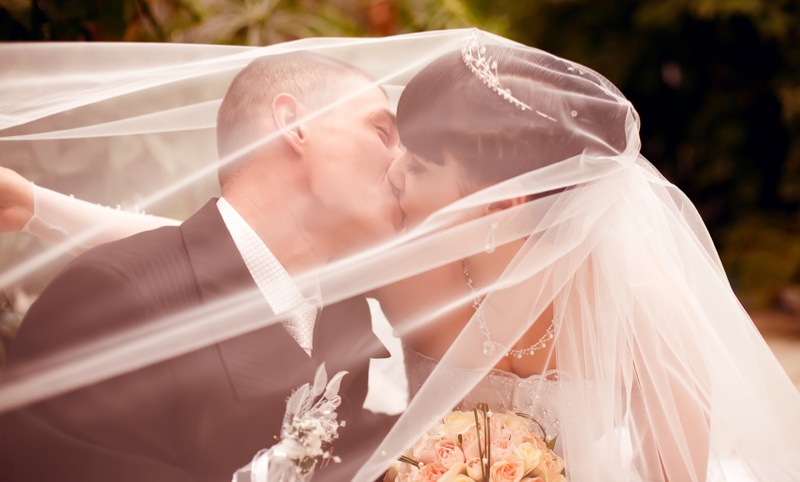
(400, 472)
(497, 427)
(431, 472)
(424, 451)
(500, 448)
(510, 470)
(469, 444)
(403, 471)
(448, 453)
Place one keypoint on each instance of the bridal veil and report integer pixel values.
(663, 374)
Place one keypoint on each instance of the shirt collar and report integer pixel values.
(272, 279)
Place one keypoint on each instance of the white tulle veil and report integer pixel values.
(664, 375)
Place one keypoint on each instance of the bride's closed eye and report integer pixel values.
(413, 166)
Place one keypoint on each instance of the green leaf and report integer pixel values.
(551, 444)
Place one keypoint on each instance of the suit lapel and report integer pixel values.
(344, 331)
(266, 361)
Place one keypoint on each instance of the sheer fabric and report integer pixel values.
(663, 376)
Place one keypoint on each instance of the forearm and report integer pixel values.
(58, 218)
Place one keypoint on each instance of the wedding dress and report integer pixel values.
(536, 395)
(661, 372)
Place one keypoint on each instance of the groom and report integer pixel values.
(315, 191)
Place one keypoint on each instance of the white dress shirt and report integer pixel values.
(275, 284)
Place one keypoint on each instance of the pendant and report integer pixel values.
(489, 348)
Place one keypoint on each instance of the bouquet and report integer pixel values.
(309, 427)
(480, 446)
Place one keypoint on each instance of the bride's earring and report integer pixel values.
(490, 245)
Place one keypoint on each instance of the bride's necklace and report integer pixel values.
(489, 346)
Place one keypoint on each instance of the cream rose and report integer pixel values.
(402, 471)
(457, 423)
(448, 453)
(549, 467)
(456, 473)
(515, 423)
(459, 478)
(404, 478)
(517, 428)
(551, 478)
(529, 454)
(474, 468)
(508, 470)
(535, 440)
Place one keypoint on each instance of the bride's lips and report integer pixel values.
(399, 218)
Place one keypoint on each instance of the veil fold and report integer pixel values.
(663, 375)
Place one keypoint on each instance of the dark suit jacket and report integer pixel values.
(197, 417)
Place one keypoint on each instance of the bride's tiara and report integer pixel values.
(485, 68)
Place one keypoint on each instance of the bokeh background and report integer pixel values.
(716, 82)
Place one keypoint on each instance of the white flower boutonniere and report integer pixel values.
(309, 427)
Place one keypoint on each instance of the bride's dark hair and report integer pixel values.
(447, 109)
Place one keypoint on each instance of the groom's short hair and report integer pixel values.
(244, 116)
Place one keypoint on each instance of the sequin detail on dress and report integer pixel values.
(536, 395)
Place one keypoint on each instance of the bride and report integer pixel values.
(545, 268)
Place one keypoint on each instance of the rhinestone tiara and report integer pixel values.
(485, 68)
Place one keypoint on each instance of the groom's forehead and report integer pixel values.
(367, 99)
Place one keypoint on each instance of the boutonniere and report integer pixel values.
(309, 428)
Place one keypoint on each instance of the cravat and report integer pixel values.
(300, 324)
(279, 290)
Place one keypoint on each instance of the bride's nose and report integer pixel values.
(396, 173)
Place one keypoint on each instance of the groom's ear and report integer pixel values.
(286, 114)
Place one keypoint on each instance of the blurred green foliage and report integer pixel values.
(764, 253)
(716, 82)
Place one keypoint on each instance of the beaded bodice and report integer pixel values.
(536, 395)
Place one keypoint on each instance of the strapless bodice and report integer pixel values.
(536, 395)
